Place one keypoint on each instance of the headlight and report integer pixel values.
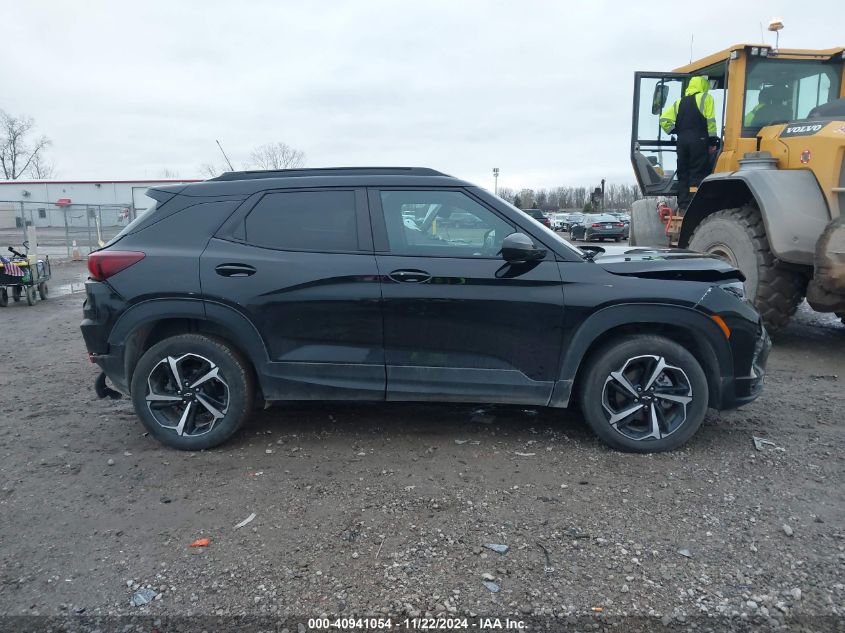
(735, 288)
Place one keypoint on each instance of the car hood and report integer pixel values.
(669, 264)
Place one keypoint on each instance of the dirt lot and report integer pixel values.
(370, 509)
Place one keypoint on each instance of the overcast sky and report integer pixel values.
(541, 90)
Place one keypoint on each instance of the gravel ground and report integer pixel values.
(385, 509)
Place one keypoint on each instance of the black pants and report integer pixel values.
(693, 165)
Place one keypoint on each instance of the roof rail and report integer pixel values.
(328, 171)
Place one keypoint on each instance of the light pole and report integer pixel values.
(496, 180)
(602, 195)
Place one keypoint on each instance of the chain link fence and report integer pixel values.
(62, 231)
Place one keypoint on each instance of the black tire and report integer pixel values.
(628, 352)
(4, 297)
(234, 373)
(43, 290)
(16, 294)
(616, 239)
(739, 236)
(30, 295)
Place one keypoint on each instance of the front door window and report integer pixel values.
(441, 224)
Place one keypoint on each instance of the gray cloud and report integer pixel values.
(540, 89)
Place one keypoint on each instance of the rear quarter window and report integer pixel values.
(134, 224)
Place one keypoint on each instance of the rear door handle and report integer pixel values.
(235, 270)
(410, 276)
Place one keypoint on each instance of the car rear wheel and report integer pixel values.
(192, 391)
(643, 394)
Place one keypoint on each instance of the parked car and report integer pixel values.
(572, 219)
(311, 285)
(462, 220)
(558, 221)
(538, 215)
(599, 227)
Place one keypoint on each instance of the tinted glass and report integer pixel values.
(441, 223)
(304, 221)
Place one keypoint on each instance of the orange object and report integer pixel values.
(201, 542)
(665, 213)
(721, 323)
(598, 609)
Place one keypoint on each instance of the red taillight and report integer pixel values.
(104, 264)
(619, 224)
(595, 225)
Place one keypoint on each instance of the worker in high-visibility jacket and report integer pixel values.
(692, 119)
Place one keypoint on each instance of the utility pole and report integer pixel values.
(496, 180)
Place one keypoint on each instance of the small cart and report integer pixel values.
(23, 277)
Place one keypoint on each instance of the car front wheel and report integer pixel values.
(644, 394)
(192, 391)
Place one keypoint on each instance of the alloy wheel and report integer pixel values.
(647, 398)
(187, 394)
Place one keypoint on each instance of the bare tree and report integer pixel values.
(41, 169)
(17, 149)
(277, 156)
(505, 193)
(210, 170)
(169, 174)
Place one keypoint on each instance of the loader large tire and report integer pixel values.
(646, 228)
(739, 236)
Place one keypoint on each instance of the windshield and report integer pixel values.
(778, 91)
(548, 233)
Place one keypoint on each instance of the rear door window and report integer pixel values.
(304, 221)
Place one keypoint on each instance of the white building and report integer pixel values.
(54, 203)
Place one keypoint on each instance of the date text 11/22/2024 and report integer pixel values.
(422, 624)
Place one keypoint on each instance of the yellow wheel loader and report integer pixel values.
(774, 202)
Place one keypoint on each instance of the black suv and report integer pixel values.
(353, 284)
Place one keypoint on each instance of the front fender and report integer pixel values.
(713, 351)
(794, 210)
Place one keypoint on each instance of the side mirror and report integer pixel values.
(658, 99)
(519, 248)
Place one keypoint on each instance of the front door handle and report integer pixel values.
(235, 270)
(410, 276)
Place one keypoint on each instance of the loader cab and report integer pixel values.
(781, 90)
(754, 87)
(654, 153)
